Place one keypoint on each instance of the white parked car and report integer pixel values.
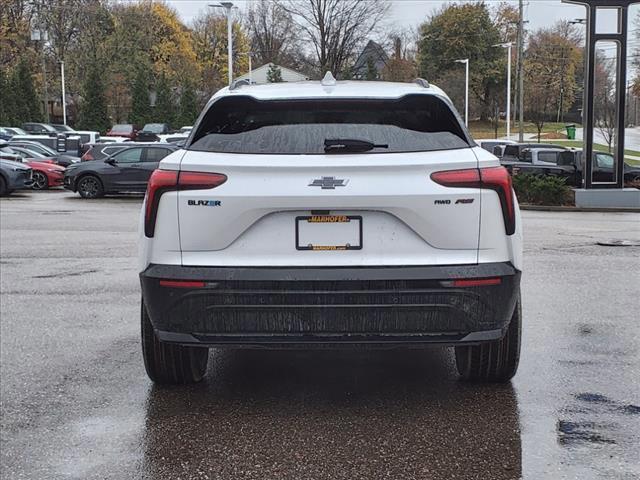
(330, 213)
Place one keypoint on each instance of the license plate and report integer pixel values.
(329, 232)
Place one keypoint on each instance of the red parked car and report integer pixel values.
(46, 172)
(123, 130)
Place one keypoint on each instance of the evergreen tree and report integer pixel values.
(6, 101)
(188, 105)
(93, 109)
(274, 74)
(165, 111)
(26, 104)
(140, 106)
(372, 72)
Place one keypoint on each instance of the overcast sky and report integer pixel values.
(539, 13)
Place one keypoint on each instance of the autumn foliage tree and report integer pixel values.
(460, 31)
(551, 62)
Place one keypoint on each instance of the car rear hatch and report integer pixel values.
(286, 202)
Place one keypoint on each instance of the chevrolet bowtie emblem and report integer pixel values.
(328, 183)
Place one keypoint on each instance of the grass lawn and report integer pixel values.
(484, 129)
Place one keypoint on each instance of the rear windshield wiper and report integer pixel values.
(337, 145)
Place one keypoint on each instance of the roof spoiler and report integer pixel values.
(422, 82)
(239, 83)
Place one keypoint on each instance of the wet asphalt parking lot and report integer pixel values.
(76, 403)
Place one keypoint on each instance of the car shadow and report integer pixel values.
(332, 414)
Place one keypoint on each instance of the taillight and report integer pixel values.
(162, 181)
(494, 178)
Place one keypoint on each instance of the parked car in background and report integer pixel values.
(114, 139)
(101, 150)
(7, 153)
(45, 172)
(186, 129)
(59, 158)
(14, 176)
(123, 130)
(15, 131)
(569, 165)
(157, 128)
(173, 138)
(40, 129)
(127, 170)
(86, 136)
(495, 146)
(542, 156)
(5, 134)
(514, 151)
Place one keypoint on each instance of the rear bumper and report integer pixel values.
(374, 305)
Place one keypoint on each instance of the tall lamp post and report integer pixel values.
(508, 46)
(228, 6)
(466, 90)
(64, 95)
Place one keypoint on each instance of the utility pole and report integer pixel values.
(64, 94)
(466, 90)
(521, 72)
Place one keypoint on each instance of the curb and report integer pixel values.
(549, 208)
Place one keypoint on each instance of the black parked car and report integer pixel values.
(570, 166)
(100, 151)
(127, 170)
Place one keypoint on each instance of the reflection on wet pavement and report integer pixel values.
(347, 414)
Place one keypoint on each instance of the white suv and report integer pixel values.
(330, 213)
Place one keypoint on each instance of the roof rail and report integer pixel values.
(239, 83)
(422, 82)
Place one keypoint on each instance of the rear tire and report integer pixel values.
(90, 186)
(3, 187)
(167, 363)
(495, 361)
(40, 181)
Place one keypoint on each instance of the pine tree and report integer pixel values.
(93, 109)
(140, 106)
(27, 105)
(372, 72)
(274, 74)
(165, 111)
(7, 101)
(188, 105)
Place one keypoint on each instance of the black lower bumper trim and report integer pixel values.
(266, 306)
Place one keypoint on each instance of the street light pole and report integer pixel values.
(508, 46)
(466, 90)
(228, 6)
(64, 96)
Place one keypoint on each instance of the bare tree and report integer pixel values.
(604, 101)
(273, 33)
(336, 28)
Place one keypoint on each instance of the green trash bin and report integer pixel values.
(571, 132)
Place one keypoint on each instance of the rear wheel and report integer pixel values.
(495, 361)
(3, 187)
(40, 181)
(90, 186)
(167, 363)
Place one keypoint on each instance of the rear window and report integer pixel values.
(121, 128)
(411, 124)
(511, 151)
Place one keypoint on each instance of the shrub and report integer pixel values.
(541, 190)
